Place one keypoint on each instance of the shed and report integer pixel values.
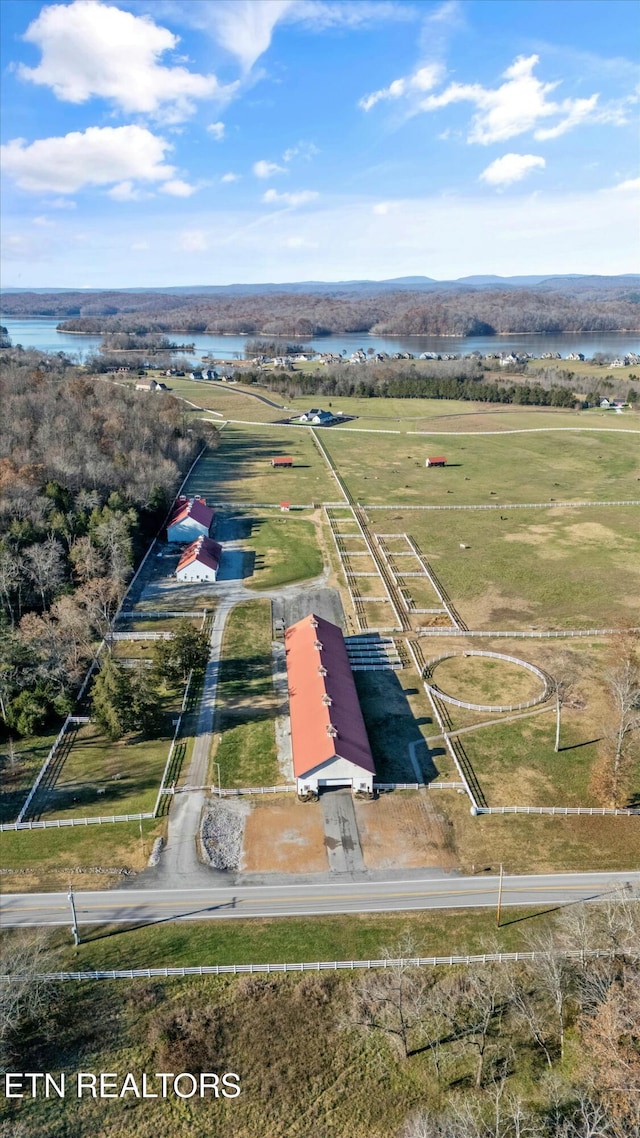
(328, 734)
(436, 461)
(282, 460)
(285, 507)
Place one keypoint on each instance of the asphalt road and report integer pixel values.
(222, 903)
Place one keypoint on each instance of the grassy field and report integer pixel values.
(127, 771)
(526, 568)
(240, 469)
(508, 468)
(43, 859)
(17, 779)
(245, 733)
(285, 548)
(478, 679)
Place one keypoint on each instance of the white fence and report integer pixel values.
(162, 790)
(526, 635)
(62, 823)
(155, 614)
(140, 636)
(418, 786)
(595, 810)
(550, 505)
(320, 965)
(546, 682)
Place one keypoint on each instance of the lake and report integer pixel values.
(40, 332)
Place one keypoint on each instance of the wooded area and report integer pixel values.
(460, 311)
(87, 471)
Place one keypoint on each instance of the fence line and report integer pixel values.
(595, 810)
(162, 791)
(154, 614)
(321, 965)
(41, 774)
(62, 823)
(551, 504)
(115, 636)
(558, 634)
(547, 684)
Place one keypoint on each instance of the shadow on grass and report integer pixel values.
(134, 925)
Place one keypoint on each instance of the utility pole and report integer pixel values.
(74, 919)
(499, 911)
(558, 704)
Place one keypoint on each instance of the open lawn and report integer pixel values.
(545, 569)
(245, 744)
(397, 713)
(483, 470)
(240, 469)
(44, 858)
(285, 548)
(127, 772)
(228, 400)
(540, 843)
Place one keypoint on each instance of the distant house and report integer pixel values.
(575, 356)
(285, 507)
(160, 387)
(190, 518)
(605, 403)
(200, 561)
(436, 461)
(316, 417)
(619, 363)
(328, 735)
(282, 460)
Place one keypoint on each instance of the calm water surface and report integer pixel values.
(40, 332)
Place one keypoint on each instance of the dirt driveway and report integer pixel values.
(284, 837)
(404, 831)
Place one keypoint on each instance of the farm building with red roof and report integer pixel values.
(189, 518)
(200, 561)
(439, 461)
(282, 460)
(328, 735)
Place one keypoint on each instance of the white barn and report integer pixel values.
(190, 518)
(200, 561)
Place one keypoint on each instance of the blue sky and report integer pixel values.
(182, 142)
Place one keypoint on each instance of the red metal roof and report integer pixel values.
(195, 508)
(441, 458)
(323, 698)
(282, 460)
(204, 551)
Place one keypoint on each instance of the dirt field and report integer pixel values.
(284, 837)
(402, 831)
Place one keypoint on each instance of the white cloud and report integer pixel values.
(424, 79)
(217, 130)
(193, 241)
(230, 177)
(62, 203)
(140, 246)
(299, 243)
(511, 168)
(631, 184)
(381, 209)
(43, 221)
(89, 48)
(97, 156)
(301, 197)
(516, 106)
(263, 169)
(245, 27)
(125, 192)
(177, 188)
(304, 150)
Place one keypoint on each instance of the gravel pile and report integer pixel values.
(222, 831)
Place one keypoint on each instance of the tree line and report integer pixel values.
(87, 471)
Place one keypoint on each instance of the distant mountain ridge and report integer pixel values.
(572, 281)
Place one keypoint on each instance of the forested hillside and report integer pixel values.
(87, 470)
(464, 311)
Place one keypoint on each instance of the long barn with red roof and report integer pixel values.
(328, 735)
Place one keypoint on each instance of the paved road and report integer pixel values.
(341, 836)
(412, 893)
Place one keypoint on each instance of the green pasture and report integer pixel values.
(552, 568)
(244, 742)
(483, 470)
(44, 857)
(240, 469)
(127, 771)
(286, 550)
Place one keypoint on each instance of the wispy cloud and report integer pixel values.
(264, 169)
(299, 197)
(424, 79)
(216, 130)
(511, 168)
